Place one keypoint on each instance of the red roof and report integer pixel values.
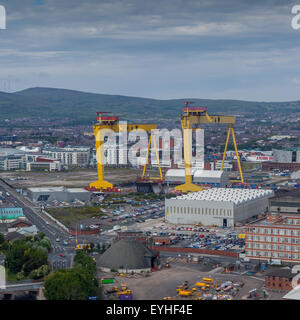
(39, 159)
(107, 118)
(194, 109)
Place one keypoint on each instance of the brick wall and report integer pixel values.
(278, 283)
(266, 166)
(196, 250)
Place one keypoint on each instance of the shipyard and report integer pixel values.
(149, 154)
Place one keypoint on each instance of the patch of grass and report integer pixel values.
(12, 277)
(69, 215)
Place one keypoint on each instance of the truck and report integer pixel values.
(112, 290)
(208, 280)
(202, 284)
(186, 293)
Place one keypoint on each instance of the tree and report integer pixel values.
(1, 238)
(83, 260)
(4, 246)
(45, 242)
(38, 237)
(40, 272)
(15, 257)
(70, 284)
(34, 258)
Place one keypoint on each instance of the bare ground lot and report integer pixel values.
(77, 178)
(163, 283)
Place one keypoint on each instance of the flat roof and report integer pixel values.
(237, 196)
(209, 173)
(11, 151)
(196, 173)
(46, 189)
(263, 222)
(77, 190)
(57, 189)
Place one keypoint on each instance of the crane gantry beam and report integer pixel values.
(105, 124)
(193, 117)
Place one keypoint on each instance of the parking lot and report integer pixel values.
(198, 237)
(127, 215)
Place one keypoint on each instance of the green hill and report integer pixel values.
(81, 106)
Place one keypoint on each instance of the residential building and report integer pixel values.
(70, 156)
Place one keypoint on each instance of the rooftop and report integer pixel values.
(293, 294)
(47, 189)
(77, 190)
(196, 173)
(126, 254)
(280, 272)
(282, 222)
(237, 196)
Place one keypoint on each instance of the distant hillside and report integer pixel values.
(81, 106)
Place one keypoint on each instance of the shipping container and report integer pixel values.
(107, 280)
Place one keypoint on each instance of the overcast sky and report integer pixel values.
(231, 49)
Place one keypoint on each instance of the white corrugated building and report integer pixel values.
(58, 193)
(215, 178)
(217, 206)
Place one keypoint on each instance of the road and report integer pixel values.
(61, 255)
(41, 221)
(23, 286)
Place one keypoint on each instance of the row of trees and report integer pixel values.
(77, 283)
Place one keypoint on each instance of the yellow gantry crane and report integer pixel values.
(109, 122)
(191, 118)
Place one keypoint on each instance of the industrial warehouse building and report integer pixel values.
(58, 193)
(126, 256)
(214, 178)
(217, 206)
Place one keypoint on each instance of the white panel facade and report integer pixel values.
(217, 206)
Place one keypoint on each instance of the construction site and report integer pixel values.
(185, 279)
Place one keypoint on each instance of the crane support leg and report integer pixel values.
(147, 156)
(237, 156)
(157, 158)
(188, 186)
(231, 131)
(225, 149)
(100, 184)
